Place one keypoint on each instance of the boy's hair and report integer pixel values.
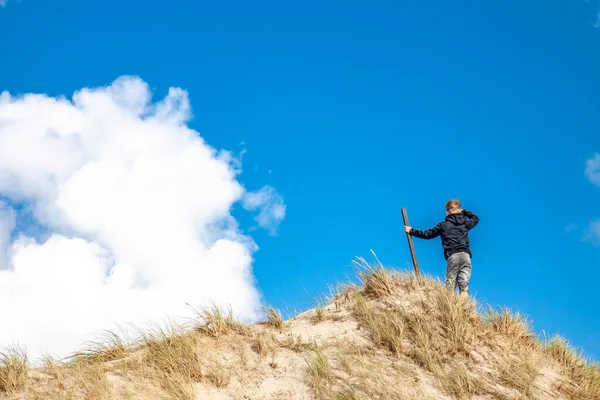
(453, 205)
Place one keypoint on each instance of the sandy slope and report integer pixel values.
(424, 360)
(282, 375)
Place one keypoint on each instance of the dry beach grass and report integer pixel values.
(389, 337)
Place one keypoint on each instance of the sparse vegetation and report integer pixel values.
(456, 381)
(89, 379)
(79, 378)
(347, 393)
(14, 368)
(458, 320)
(385, 326)
(511, 325)
(519, 374)
(319, 314)
(415, 339)
(319, 371)
(377, 280)
(582, 379)
(263, 344)
(442, 326)
(296, 344)
(215, 321)
(274, 318)
(219, 375)
(172, 350)
(423, 351)
(109, 346)
(170, 359)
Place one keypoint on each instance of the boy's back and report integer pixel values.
(454, 231)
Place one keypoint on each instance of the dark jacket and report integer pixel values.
(454, 231)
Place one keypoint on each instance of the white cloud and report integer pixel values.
(592, 233)
(592, 169)
(571, 228)
(597, 24)
(592, 173)
(136, 207)
(270, 207)
(2, 3)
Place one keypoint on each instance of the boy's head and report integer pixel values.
(453, 207)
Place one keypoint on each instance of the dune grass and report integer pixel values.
(319, 371)
(385, 326)
(444, 328)
(583, 376)
(411, 332)
(109, 346)
(14, 369)
(274, 318)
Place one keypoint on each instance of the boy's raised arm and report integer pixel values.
(472, 221)
(427, 233)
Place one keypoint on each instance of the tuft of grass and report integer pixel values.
(319, 371)
(319, 315)
(178, 387)
(583, 376)
(457, 318)
(219, 376)
(262, 345)
(109, 346)
(455, 381)
(385, 325)
(514, 326)
(377, 281)
(79, 378)
(14, 369)
(422, 333)
(173, 350)
(564, 353)
(408, 282)
(89, 379)
(274, 318)
(296, 344)
(342, 293)
(172, 359)
(215, 321)
(347, 393)
(364, 374)
(519, 374)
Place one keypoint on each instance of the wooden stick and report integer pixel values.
(410, 245)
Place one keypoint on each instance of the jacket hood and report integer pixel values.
(456, 219)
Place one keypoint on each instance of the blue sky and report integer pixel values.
(353, 111)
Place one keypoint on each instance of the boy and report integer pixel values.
(455, 241)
